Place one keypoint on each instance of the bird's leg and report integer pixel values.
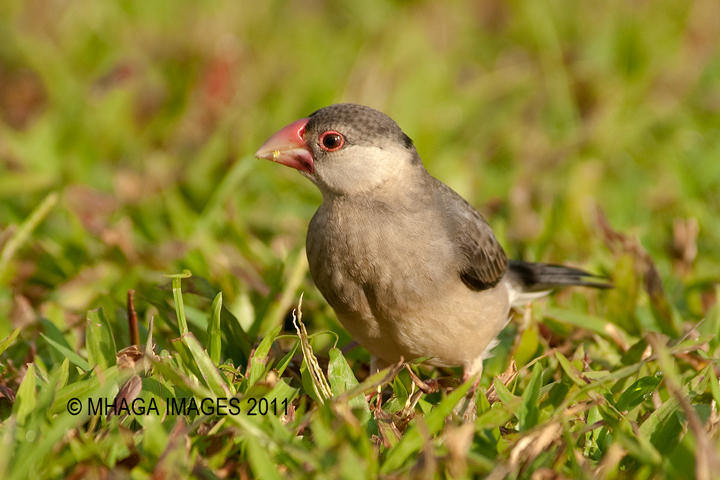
(468, 410)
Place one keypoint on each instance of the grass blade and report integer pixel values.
(26, 399)
(213, 331)
(342, 379)
(74, 357)
(9, 340)
(27, 227)
(530, 411)
(177, 296)
(201, 362)
(258, 361)
(99, 340)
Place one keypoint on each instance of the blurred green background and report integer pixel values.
(142, 116)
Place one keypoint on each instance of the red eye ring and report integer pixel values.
(331, 141)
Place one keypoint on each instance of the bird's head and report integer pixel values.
(344, 149)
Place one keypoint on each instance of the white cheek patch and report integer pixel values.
(380, 165)
(356, 169)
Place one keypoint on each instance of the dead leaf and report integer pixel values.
(389, 433)
(507, 377)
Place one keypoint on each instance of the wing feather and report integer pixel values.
(484, 261)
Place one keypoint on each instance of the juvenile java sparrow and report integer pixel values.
(410, 268)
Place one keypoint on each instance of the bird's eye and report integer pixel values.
(331, 141)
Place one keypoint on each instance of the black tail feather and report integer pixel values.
(538, 277)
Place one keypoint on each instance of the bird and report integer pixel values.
(410, 268)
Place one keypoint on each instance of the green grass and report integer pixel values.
(126, 137)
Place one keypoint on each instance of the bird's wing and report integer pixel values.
(484, 262)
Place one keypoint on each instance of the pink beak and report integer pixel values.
(288, 147)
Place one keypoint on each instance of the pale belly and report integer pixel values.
(454, 331)
(409, 309)
(394, 283)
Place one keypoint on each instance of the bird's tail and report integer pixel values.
(527, 280)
